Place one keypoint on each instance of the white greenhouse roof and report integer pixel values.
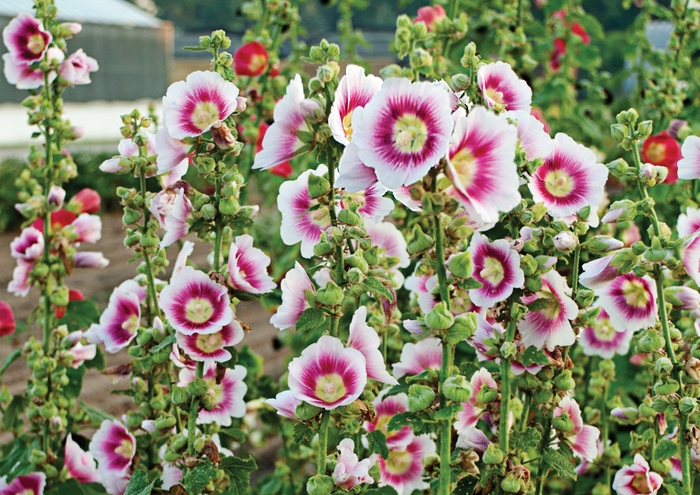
(115, 12)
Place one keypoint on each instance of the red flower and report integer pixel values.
(283, 169)
(251, 59)
(7, 320)
(662, 149)
(85, 201)
(59, 219)
(73, 295)
(429, 15)
(560, 43)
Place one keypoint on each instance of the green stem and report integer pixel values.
(546, 433)
(194, 409)
(606, 429)
(217, 224)
(323, 443)
(686, 461)
(330, 162)
(526, 413)
(506, 392)
(151, 297)
(574, 270)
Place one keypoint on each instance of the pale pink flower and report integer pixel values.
(484, 339)
(77, 67)
(533, 139)
(294, 287)
(637, 479)
(387, 407)
(26, 39)
(389, 240)
(471, 409)
(119, 322)
(80, 464)
(90, 259)
(690, 256)
(500, 85)
(87, 228)
(28, 484)
(688, 222)
(211, 346)
(80, 353)
(353, 175)
(601, 338)
(497, 267)
(630, 301)
(227, 393)
(247, 267)
(472, 438)
(350, 471)
(172, 156)
(689, 165)
(115, 484)
(366, 340)
(597, 274)
(194, 303)
(684, 298)
(22, 75)
(29, 246)
(113, 447)
(182, 257)
(373, 205)
(582, 438)
(327, 374)
(175, 222)
(127, 148)
(354, 90)
(416, 358)
(285, 403)
(20, 283)
(569, 179)
(403, 469)
(192, 106)
(481, 164)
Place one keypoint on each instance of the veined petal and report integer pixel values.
(80, 464)
(416, 358)
(247, 267)
(497, 267)
(294, 287)
(366, 340)
(113, 447)
(354, 90)
(689, 165)
(500, 85)
(630, 301)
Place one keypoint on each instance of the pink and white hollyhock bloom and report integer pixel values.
(387, 408)
(163, 203)
(500, 85)
(582, 438)
(471, 411)
(192, 106)
(630, 302)
(175, 223)
(603, 340)
(550, 326)
(354, 90)
(569, 179)
(421, 287)
(350, 471)
(597, 274)
(403, 131)
(26, 39)
(20, 284)
(29, 246)
(194, 303)
(416, 358)
(281, 142)
(172, 156)
(373, 205)
(403, 469)
(227, 393)
(285, 403)
(128, 148)
(119, 322)
(80, 353)
(80, 464)
(689, 165)
(497, 267)
(181, 261)
(486, 336)
(389, 239)
(294, 287)
(690, 255)
(247, 267)
(637, 479)
(366, 340)
(211, 346)
(353, 175)
(56, 196)
(684, 298)
(115, 484)
(327, 374)
(87, 228)
(29, 484)
(22, 75)
(90, 259)
(533, 139)
(481, 164)
(299, 222)
(688, 222)
(472, 438)
(113, 447)
(77, 67)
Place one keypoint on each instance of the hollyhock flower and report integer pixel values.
(532, 136)
(204, 347)
(327, 374)
(429, 15)
(388, 238)
(175, 222)
(177, 358)
(281, 142)
(195, 304)
(372, 203)
(403, 131)
(418, 357)
(688, 222)
(387, 407)
(662, 149)
(247, 267)
(630, 301)
(20, 284)
(80, 353)
(472, 438)
(403, 469)
(29, 246)
(119, 322)
(294, 287)
(85, 201)
(366, 340)
(114, 484)
(192, 106)
(283, 169)
(113, 447)
(227, 393)
(597, 274)
(26, 39)
(77, 67)
(560, 44)
(87, 228)
(421, 287)
(500, 85)
(171, 475)
(22, 75)
(353, 175)
(569, 179)
(481, 164)
(582, 438)
(29, 484)
(172, 156)
(59, 220)
(56, 196)
(80, 464)
(7, 320)
(496, 267)
(354, 90)
(471, 410)
(550, 326)
(684, 298)
(637, 479)
(487, 335)
(285, 403)
(250, 59)
(163, 203)
(601, 339)
(90, 259)
(299, 221)
(689, 165)
(127, 148)
(350, 471)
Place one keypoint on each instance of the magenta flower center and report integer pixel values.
(558, 183)
(635, 293)
(410, 134)
(399, 462)
(640, 483)
(125, 449)
(36, 43)
(492, 271)
(210, 343)
(330, 388)
(198, 310)
(205, 114)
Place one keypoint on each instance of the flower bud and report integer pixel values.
(493, 455)
(131, 216)
(625, 415)
(510, 484)
(619, 131)
(229, 206)
(433, 203)
(563, 423)
(542, 396)
(179, 395)
(564, 381)
(420, 241)
(439, 318)
(349, 217)
(330, 295)
(670, 386)
(357, 261)
(166, 422)
(457, 388)
(208, 211)
(198, 387)
(645, 128)
(320, 485)
(486, 395)
(420, 397)
(565, 241)
(460, 265)
(318, 186)
(692, 367)
(464, 327)
(306, 411)
(687, 405)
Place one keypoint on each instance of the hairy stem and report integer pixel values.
(323, 443)
(194, 409)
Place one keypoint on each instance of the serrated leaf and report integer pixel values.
(166, 342)
(235, 433)
(539, 304)
(559, 463)
(239, 471)
(195, 479)
(310, 319)
(448, 412)
(405, 419)
(376, 443)
(98, 362)
(94, 414)
(231, 363)
(665, 449)
(385, 490)
(139, 485)
(16, 407)
(9, 360)
(469, 284)
(401, 388)
(80, 315)
(526, 440)
(532, 356)
(466, 486)
(75, 382)
(16, 461)
(302, 433)
(379, 289)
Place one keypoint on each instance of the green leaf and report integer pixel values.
(469, 284)
(235, 433)
(139, 485)
(406, 419)
(448, 412)
(539, 304)
(239, 471)
(231, 363)
(385, 490)
(15, 462)
(310, 319)
(195, 49)
(560, 463)
(466, 486)
(533, 355)
(401, 388)
(665, 449)
(95, 415)
(166, 342)
(526, 440)
(379, 289)
(195, 479)
(98, 362)
(16, 407)
(80, 314)
(303, 433)
(9, 360)
(376, 442)
(75, 383)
